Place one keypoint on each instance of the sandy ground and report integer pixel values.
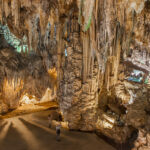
(31, 132)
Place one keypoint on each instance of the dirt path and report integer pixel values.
(31, 132)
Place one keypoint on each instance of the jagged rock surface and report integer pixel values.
(21, 74)
(105, 41)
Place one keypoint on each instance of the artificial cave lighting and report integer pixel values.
(82, 65)
(111, 120)
(19, 45)
(53, 73)
(26, 99)
(104, 124)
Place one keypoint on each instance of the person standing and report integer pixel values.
(58, 127)
(49, 121)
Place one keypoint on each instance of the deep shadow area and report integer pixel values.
(13, 140)
(128, 145)
(2, 126)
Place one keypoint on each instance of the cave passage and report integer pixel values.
(87, 61)
(32, 133)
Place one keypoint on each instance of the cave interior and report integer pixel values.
(87, 59)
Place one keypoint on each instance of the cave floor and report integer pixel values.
(29, 108)
(31, 132)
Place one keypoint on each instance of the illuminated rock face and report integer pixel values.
(78, 100)
(94, 77)
(102, 46)
(21, 74)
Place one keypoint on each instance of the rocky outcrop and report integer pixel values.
(78, 100)
(21, 74)
(102, 58)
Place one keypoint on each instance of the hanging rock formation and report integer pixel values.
(103, 58)
(21, 74)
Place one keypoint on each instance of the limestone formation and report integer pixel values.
(103, 60)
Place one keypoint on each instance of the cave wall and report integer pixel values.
(74, 94)
(95, 69)
(105, 40)
(23, 74)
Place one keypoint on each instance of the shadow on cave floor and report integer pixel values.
(124, 146)
(31, 132)
(11, 139)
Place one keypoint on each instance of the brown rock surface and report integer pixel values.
(100, 44)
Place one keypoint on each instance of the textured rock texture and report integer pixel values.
(21, 74)
(101, 47)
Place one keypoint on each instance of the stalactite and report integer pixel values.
(59, 50)
(1, 10)
(86, 10)
(116, 53)
(15, 10)
(52, 31)
(26, 3)
(107, 79)
(34, 30)
(0, 13)
(6, 7)
(46, 39)
(85, 55)
(52, 23)
(15, 80)
(80, 5)
(92, 64)
(92, 48)
(131, 32)
(30, 34)
(43, 18)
